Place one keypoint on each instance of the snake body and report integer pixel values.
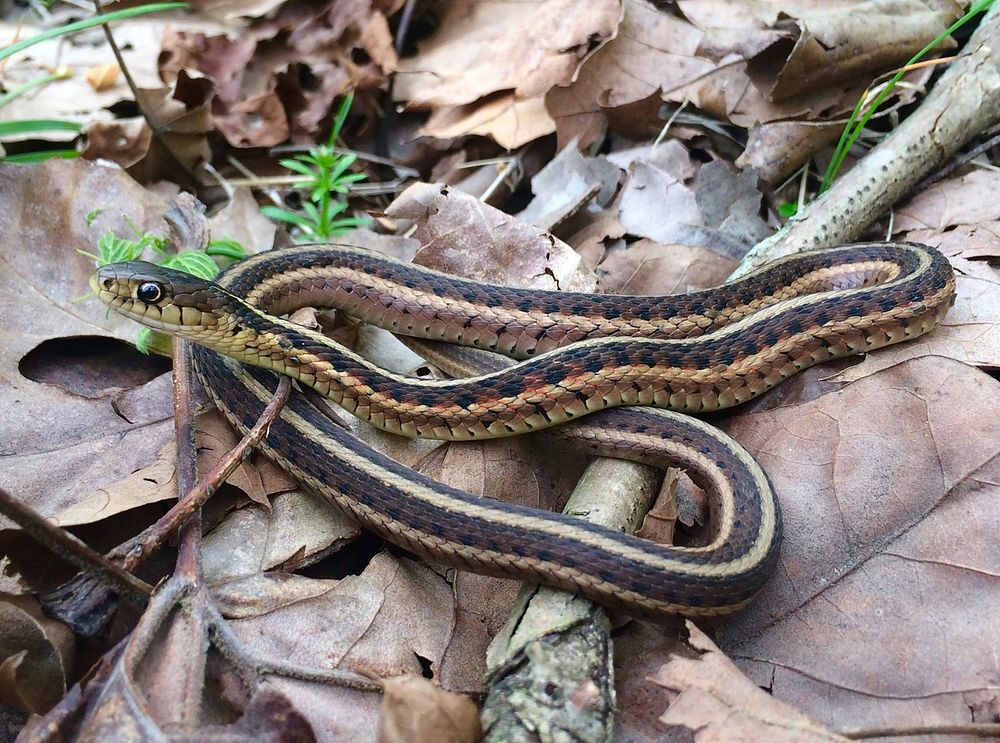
(581, 353)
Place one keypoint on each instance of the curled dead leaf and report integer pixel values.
(36, 655)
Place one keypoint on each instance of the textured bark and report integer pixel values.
(962, 104)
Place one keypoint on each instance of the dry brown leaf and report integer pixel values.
(717, 210)
(889, 490)
(477, 241)
(145, 690)
(240, 219)
(61, 445)
(414, 710)
(36, 655)
(183, 111)
(714, 701)
(508, 120)
(822, 43)
(880, 610)
(103, 77)
(566, 184)
(482, 48)
(296, 529)
(121, 142)
(388, 620)
(658, 54)
(281, 78)
(953, 215)
(647, 267)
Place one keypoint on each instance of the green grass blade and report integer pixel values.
(31, 126)
(37, 157)
(858, 121)
(117, 15)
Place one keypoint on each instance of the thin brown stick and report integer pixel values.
(135, 551)
(961, 160)
(189, 553)
(979, 729)
(154, 126)
(65, 545)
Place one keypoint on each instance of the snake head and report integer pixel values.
(161, 298)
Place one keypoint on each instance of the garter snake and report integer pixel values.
(581, 353)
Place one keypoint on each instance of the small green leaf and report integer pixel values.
(114, 249)
(193, 262)
(312, 213)
(298, 167)
(142, 340)
(341, 185)
(787, 210)
(340, 226)
(281, 214)
(338, 122)
(336, 207)
(93, 214)
(338, 168)
(227, 248)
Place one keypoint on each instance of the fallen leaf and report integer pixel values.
(240, 219)
(712, 700)
(888, 487)
(704, 60)
(103, 77)
(716, 211)
(482, 48)
(37, 655)
(647, 267)
(415, 710)
(477, 241)
(510, 121)
(60, 446)
(566, 184)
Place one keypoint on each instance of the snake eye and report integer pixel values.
(149, 292)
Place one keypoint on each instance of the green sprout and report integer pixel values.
(324, 173)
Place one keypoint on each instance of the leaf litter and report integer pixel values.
(880, 611)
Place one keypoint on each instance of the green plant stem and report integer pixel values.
(855, 126)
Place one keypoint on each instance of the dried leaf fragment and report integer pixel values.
(103, 77)
(414, 710)
(717, 702)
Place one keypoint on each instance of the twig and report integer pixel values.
(65, 545)
(993, 139)
(962, 104)
(136, 550)
(978, 729)
(157, 130)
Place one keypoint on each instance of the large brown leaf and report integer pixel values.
(78, 423)
(881, 610)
